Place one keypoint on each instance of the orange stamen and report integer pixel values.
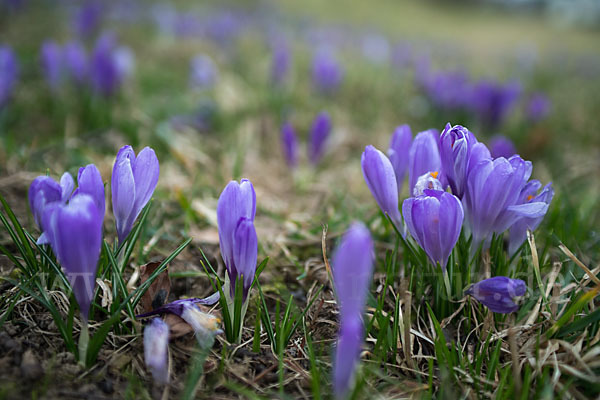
(529, 197)
(434, 174)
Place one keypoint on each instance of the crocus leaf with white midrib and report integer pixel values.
(133, 182)
(352, 265)
(498, 293)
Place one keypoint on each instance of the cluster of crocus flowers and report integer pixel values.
(8, 74)
(352, 274)
(319, 134)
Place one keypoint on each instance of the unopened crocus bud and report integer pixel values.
(75, 62)
(456, 143)
(434, 220)
(89, 181)
(352, 265)
(498, 293)
(156, 347)
(319, 133)
(106, 69)
(289, 144)
(398, 152)
(381, 180)
(501, 146)
(51, 56)
(8, 74)
(236, 209)
(424, 156)
(492, 101)
(88, 18)
(74, 231)
(280, 61)
(203, 72)
(327, 73)
(518, 231)
(538, 107)
(132, 183)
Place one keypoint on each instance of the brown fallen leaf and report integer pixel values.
(158, 292)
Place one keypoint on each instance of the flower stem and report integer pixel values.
(84, 339)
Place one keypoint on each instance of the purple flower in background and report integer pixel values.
(352, 273)
(74, 231)
(8, 73)
(236, 209)
(51, 56)
(203, 72)
(280, 61)
(498, 293)
(381, 180)
(538, 107)
(156, 347)
(445, 89)
(402, 55)
(424, 156)
(45, 190)
(75, 62)
(399, 152)
(492, 197)
(88, 18)
(107, 69)
(518, 231)
(289, 144)
(327, 73)
(434, 220)
(319, 133)
(459, 152)
(501, 146)
(492, 101)
(376, 48)
(89, 181)
(133, 182)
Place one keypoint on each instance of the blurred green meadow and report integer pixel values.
(418, 344)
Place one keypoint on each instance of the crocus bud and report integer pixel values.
(424, 156)
(501, 146)
(236, 209)
(455, 150)
(156, 347)
(76, 62)
(52, 59)
(434, 220)
(74, 231)
(289, 144)
(381, 180)
(398, 152)
(492, 101)
(8, 73)
(518, 231)
(319, 133)
(88, 18)
(352, 273)
(89, 181)
(491, 200)
(538, 107)
(203, 72)
(327, 73)
(428, 180)
(106, 72)
(498, 293)
(133, 182)
(280, 61)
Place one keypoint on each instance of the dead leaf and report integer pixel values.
(158, 292)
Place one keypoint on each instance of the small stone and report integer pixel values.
(106, 385)
(30, 366)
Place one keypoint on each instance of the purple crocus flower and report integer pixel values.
(289, 144)
(424, 156)
(498, 293)
(376, 48)
(381, 180)
(280, 61)
(518, 231)
(399, 152)
(133, 182)
(236, 209)
(75, 62)
(156, 347)
(44, 191)
(74, 231)
(8, 73)
(106, 73)
(459, 152)
(89, 181)
(327, 73)
(501, 146)
(492, 101)
(492, 195)
(203, 72)
(434, 220)
(538, 107)
(319, 133)
(51, 56)
(88, 18)
(352, 273)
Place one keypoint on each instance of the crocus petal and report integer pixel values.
(289, 144)
(245, 250)
(66, 186)
(424, 156)
(90, 182)
(156, 347)
(398, 152)
(145, 174)
(498, 293)
(319, 133)
(123, 196)
(205, 326)
(42, 191)
(347, 353)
